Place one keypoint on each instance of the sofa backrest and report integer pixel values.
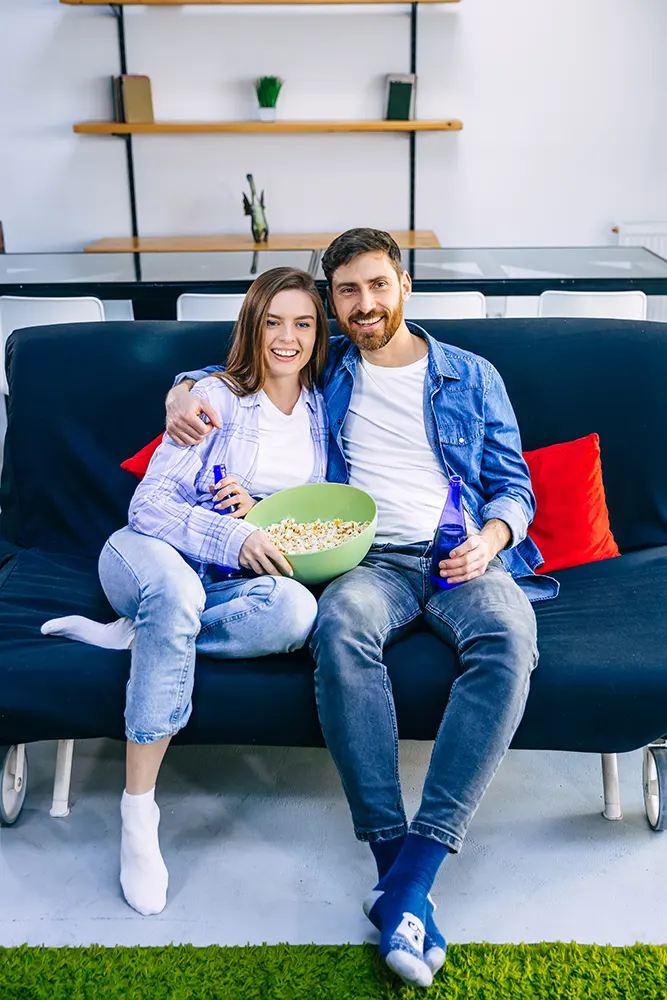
(84, 397)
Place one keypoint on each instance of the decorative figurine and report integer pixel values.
(255, 209)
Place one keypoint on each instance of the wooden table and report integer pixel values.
(416, 239)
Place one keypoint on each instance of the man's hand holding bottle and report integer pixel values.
(472, 557)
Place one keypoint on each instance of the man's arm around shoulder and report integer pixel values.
(185, 425)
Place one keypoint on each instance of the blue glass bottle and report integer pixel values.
(451, 531)
(223, 572)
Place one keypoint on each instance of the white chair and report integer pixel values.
(193, 305)
(600, 305)
(445, 305)
(17, 312)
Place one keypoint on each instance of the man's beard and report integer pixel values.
(373, 340)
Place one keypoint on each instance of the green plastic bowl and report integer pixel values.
(323, 501)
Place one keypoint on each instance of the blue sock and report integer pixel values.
(386, 853)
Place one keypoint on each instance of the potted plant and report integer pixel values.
(267, 89)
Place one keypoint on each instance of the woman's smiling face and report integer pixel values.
(290, 332)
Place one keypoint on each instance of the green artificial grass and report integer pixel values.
(321, 972)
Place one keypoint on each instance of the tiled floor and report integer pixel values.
(259, 848)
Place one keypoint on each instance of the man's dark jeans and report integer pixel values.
(491, 625)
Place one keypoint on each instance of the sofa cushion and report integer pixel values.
(588, 693)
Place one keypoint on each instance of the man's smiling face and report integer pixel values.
(367, 296)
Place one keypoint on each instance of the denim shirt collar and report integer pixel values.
(438, 364)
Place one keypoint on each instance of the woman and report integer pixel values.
(162, 572)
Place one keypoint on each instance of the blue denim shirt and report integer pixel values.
(471, 427)
(473, 432)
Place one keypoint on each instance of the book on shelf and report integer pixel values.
(137, 98)
(400, 97)
(132, 98)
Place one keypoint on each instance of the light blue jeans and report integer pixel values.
(176, 615)
(488, 622)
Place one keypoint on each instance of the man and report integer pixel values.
(406, 413)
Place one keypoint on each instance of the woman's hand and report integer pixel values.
(231, 494)
(259, 554)
(184, 415)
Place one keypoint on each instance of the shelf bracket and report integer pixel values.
(413, 137)
(119, 14)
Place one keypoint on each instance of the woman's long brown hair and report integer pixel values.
(245, 370)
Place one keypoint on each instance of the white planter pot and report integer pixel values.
(267, 114)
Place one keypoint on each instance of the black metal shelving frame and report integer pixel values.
(119, 13)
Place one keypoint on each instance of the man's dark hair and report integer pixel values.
(353, 243)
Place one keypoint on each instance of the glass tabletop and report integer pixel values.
(229, 265)
(61, 268)
(491, 269)
(41, 268)
(535, 263)
(531, 263)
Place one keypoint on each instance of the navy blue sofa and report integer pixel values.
(85, 397)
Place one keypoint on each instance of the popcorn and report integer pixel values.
(294, 538)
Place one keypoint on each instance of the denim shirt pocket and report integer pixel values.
(462, 443)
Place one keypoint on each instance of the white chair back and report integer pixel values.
(597, 305)
(193, 305)
(445, 305)
(17, 312)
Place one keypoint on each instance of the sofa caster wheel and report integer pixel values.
(13, 782)
(654, 776)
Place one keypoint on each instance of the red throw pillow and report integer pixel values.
(571, 524)
(138, 464)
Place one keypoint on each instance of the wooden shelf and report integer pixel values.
(407, 240)
(271, 128)
(230, 3)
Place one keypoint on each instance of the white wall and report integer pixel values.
(562, 103)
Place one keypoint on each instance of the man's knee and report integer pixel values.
(497, 615)
(348, 609)
(511, 635)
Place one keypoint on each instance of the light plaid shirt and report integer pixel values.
(173, 501)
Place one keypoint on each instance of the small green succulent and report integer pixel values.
(267, 89)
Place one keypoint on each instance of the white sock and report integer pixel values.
(143, 873)
(115, 635)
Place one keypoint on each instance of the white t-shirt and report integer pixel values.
(388, 454)
(286, 453)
